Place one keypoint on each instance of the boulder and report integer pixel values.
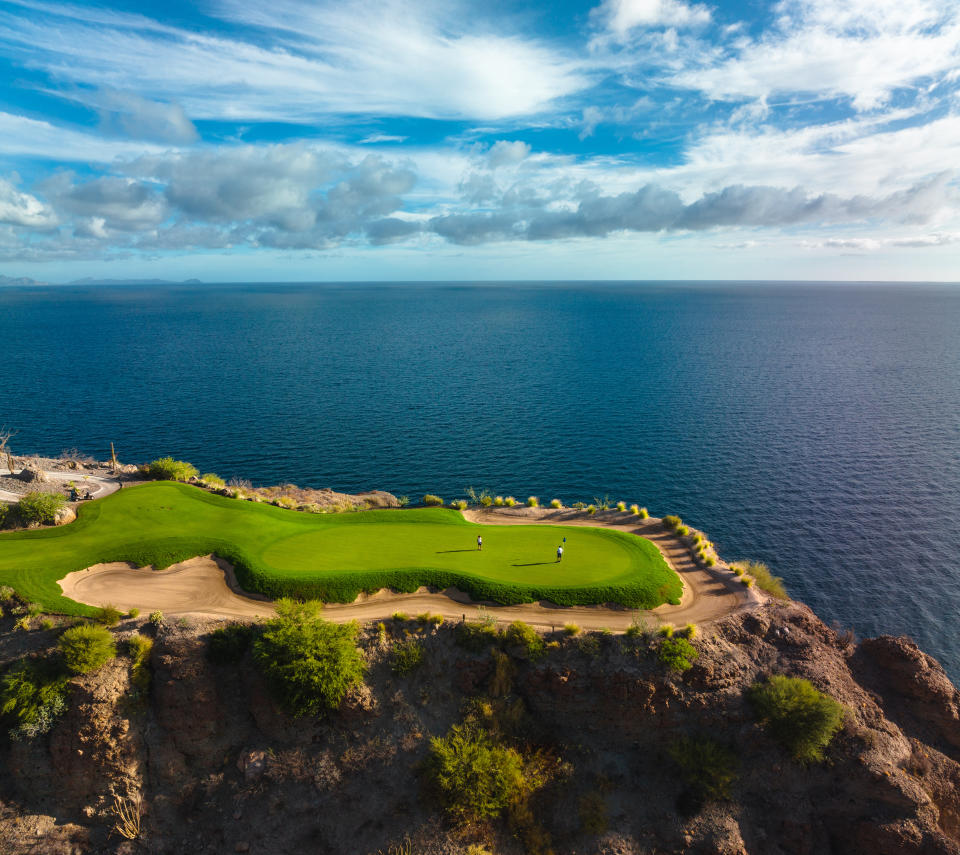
(65, 515)
(29, 475)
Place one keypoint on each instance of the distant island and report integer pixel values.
(27, 282)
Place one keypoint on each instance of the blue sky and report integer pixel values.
(292, 140)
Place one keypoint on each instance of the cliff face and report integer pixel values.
(221, 769)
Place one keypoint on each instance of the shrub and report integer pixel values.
(498, 501)
(509, 501)
(229, 643)
(403, 501)
(690, 630)
(764, 579)
(47, 623)
(309, 662)
(706, 767)
(138, 648)
(520, 634)
(533, 502)
(621, 506)
(407, 656)
(672, 522)
(32, 696)
(168, 469)
(571, 629)
(108, 615)
(798, 716)
(400, 617)
(156, 618)
(86, 647)
(710, 561)
(591, 509)
(746, 582)
(556, 503)
(429, 619)
(475, 777)
(593, 813)
(478, 636)
(644, 514)
(459, 504)
(578, 506)
(677, 654)
(635, 510)
(133, 613)
(486, 500)
(682, 530)
(39, 507)
(212, 480)
(6, 593)
(665, 630)
(430, 499)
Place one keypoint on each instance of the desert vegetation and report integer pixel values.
(762, 576)
(168, 469)
(801, 718)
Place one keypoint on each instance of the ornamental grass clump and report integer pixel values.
(86, 647)
(498, 501)
(635, 510)
(533, 502)
(556, 503)
(571, 629)
(509, 501)
(591, 509)
(212, 480)
(621, 506)
(522, 635)
(671, 522)
(431, 500)
(801, 718)
(764, 579)
(168, 469)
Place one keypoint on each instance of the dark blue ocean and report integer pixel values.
(813, 426)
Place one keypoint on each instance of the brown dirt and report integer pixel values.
(207, 586)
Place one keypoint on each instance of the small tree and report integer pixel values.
(310, 663)
(86, 647)
(168, 469)
(37, 507)
(798, 716)
(476, 778)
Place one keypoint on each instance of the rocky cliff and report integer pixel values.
(215, 766)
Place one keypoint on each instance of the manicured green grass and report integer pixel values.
(333, 557)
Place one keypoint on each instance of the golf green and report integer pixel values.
(334, 557)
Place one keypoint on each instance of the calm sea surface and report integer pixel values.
(816, 427)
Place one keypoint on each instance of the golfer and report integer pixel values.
(559, 553)
(479, 542)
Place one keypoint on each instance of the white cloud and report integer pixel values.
(622, 16)
(376, 57)
(129, 114)
(860, 50)
(22, 209)
(373, 139)
(506, 153)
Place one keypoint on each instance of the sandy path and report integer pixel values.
(207, 586)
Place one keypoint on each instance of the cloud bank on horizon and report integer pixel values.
(386, 138)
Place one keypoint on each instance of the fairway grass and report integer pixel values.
(335, 557)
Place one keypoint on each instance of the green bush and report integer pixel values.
(108, 615)
(32, 696)
(459, 504)
(556, 503)
(212, 480)
(798, 716)
(478, 636)
(644, 514)
(533, 502)
(672, 522)
(475, 777)
(764, 579)
(138, 648)
(133, 613)
(520, 634)
(498, 501)
(635, 510)
(39, 507)
(682, 530)
(571, 629)
(710, 561)
(168, 469)
(430, 499)
(690, 631)
(429, 619)
(621, 506)
(707, 768)
(407, 656)
(4, 513)
(6, 593)
(509, 501)
(746, 582)
(665, 630)
(400, 617)
(156, 618)
(310, 663)
(403, 501)
(591, 509)
(229, 644)
(486, 500)
(86, 647)
(677, 654)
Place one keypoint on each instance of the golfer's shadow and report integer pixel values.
(441, 551)
(533, 564)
